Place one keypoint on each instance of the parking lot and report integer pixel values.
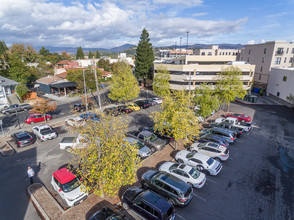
(254, 182)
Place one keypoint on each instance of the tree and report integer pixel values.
(25, 52)
(80, 53)
(105, 64)
(65, 55)
(44, 52)
(18, 71)
(106, 162)
(161, 86)
(97, 54)
(43, 106)
(290, 98)
(21, 90)
(176, 118)
(144, 57)
(124, 85)
(206, 100)
(4, 65)
(90, 56)
(229, 85)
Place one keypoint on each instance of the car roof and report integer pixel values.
(201, 157)
(42, 126)
(63, 175)
(21, 134)
(34, 114)
(131, 140)
(173, 181)
(146, 133)
(155, 200)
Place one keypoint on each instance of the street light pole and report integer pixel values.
(85, 91)
(187, 40)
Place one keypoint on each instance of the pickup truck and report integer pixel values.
(13, 108)
(228, 126)
(68, 143)
(44, 132)
(149, 139)
(234, 121)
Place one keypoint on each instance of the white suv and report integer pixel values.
(216, 151)
(68, 186)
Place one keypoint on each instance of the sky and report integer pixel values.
(112, 23)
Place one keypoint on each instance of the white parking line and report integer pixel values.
(210, 180)
(199, 197)
(180, 216)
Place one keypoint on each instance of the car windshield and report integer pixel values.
(23, 137)
(209, 161)
(153, 137)
(246, 116)
(46, 131)
(194, 173)
(71, 185)
(190, 155)
(139, 145)
(174, 166)
(213, 145)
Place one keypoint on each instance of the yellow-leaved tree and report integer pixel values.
(106, 162)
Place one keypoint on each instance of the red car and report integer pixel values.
(240, 116)
(34, 118)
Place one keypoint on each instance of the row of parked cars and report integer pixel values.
(172, 184)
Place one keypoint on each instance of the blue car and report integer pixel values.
(90, 116)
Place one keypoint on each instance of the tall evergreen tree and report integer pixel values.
(3, 59)
(97, 54)
(80, 53)
(144, 57)
(43, 51)
(90, 56)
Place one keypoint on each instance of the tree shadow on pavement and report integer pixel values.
(98, 207)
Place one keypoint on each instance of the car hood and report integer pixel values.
(144, 150)
(158, 142)
(214, 165)
(74, 194)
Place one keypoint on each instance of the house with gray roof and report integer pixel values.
(7, 88)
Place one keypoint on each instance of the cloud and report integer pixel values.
(176, 2)
(251, 42)
(199, 14)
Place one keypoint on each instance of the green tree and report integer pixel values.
(144, 57)
(229, 85)
(106, 162)
(105, 64)
(161, 86)
(206, 100)
(26, 52)
(21, 90)
(90, 56)
(18, 71)
(124, 85)
(65, 55)
(97, 54)
(4, 65)
(44, 52)
(80, 53)
(176, 118)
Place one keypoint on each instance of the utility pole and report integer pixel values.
(189, 88)
(180, 43)
(187, 40)
(85, 91)
(97, 86)
(176, 48)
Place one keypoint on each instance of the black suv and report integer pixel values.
(147, 204)
(143, 104)
(23, 138)
(79, 107)
(107, 214)
(175, 190)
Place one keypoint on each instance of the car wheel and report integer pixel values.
(125, 206)
(32, 123)
(153, 149)
(217, 159)
(171, 201)
(200, 168)
(68, 149)
(48, 119)
(180, 160)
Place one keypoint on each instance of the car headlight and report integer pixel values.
(70, 199)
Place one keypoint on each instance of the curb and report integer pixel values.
(36, 203)
(12, 150)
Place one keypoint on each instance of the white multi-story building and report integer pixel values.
(265, 56)
(214, 50)
(187, 72)
(170, 54)
(280, 83)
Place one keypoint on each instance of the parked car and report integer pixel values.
(143, 150)
(229, 136)
(170, 187)
(240, 116)
(185, 172)
(75, 121)
(80, 107)
(234, 121)
(13, 108)
(35, 118)
(23, 138)
(199, 161)
(69, 187)
(113, 111)
(68, 143)
(143, 104)
(124, 109)
(216, 151)
(90, 116)
(133, 106)
(229, 126)
(147, 204)
(148, 138)
(107, 214)
(157, 100)
(162, 135)
(151, 102)
(213, 138)
(44, 132)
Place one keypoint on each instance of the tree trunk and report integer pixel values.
(45, 118)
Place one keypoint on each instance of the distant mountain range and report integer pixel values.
(124, 47)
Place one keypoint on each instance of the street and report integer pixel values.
(255, 183)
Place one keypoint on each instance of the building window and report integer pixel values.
(285, 60)
(247, 59)
(229, 53)
(280, 50)
(285, 78)
(220, 53)
(203, 53)
(261, 69)
(287, 50)
(209, 54)
(278, 60)
(292, 50)
(259, 78)
(278, 94)
(264, 50)
(262, 60)
(291, 60)
(241, 58)
(249, 51)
